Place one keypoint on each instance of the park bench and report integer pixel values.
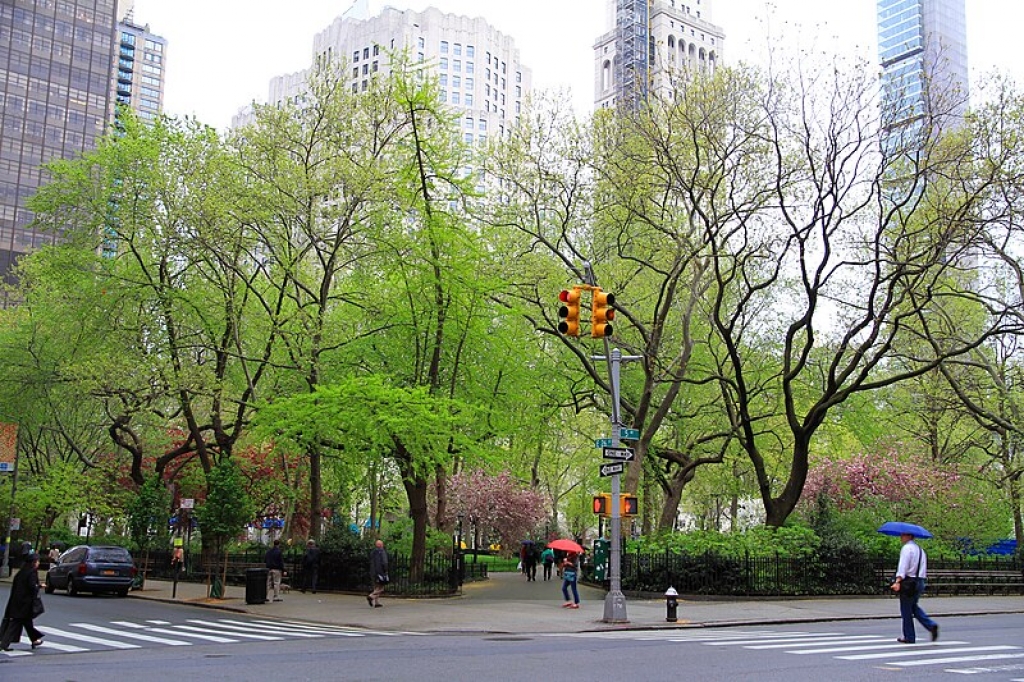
(958, 581)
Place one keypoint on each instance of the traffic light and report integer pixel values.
(569, 312)
(628, 505)
(601, 314)
(603, 504)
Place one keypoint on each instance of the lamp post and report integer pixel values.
(459, 565)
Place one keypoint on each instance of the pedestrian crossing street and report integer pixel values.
(72, 638)
(953, 656)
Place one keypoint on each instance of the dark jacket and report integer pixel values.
(275, 559)
(311, 559)
(378, 563)
(24, 590)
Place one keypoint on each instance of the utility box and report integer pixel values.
(602, 555)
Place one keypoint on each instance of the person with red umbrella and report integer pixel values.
(570, 570)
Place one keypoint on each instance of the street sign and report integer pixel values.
(603, 443)
(622, 454)
(629, 434)
(612, 469)
(188, 503)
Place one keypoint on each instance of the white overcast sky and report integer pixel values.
(223, 53)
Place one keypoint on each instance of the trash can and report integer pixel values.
(255, 585)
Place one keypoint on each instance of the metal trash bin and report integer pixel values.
(255, 585)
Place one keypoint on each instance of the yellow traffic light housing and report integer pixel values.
(628, 505)
(601, 313)
(603, 504)
(569, 312)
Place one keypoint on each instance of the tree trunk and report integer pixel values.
(416, 491)
(673, 494)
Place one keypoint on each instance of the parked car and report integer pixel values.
(103, 568)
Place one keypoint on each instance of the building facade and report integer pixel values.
(922, 46)
(478, 67)
(649, 45)
(139, 76)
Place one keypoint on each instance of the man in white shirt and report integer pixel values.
(911, 574)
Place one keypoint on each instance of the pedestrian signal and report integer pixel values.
(628, 505)
(603, 504)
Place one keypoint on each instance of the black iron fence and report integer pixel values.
(338, 572)
(711, 574)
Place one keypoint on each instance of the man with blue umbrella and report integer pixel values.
(911, 577)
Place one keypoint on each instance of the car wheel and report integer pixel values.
(72, 588)
(49, 587)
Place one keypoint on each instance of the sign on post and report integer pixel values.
(621, 454)
(629, 434)
(603, 443)
(612, 469)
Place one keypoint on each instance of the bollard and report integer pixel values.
(671, 604)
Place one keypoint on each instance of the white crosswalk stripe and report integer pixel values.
(126, 634)
(874, 648)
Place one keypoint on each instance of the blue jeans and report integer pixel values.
(909, 610)
(565, 591)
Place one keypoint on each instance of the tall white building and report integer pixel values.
(478, 67)
(649, 42)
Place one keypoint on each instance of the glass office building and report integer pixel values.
(922, 46)
(56, 66)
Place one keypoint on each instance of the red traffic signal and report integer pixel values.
(601, 314)
(569, 312)
(603, 504)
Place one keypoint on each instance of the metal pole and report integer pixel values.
(615, 601)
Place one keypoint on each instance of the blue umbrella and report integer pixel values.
(898, 528)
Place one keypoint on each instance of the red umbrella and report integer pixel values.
(566, 546)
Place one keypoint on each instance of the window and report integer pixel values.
(457, 65)
(376, 50)
(375, 67)
(355, 72)
(443, 80)
(469, 83)
(482, 124)
(519, 91)
(364, 85)
(444, 63)
(420, 57)
(153, 45)
(469, 67)
(467, 99)
(444, 47)
(455, 98)
(503, 70)
(366, 53)
(457, 49)
(519, 76)
(470, 51)
(467, 123)
(366, 69)
(444, 95)
(421, 43)
(355, 56)
(468, 137)
(456, 81)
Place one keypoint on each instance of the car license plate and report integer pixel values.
(109, 572)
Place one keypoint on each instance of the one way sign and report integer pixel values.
(622, 454)
(612, 469)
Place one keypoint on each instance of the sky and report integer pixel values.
(222, 54)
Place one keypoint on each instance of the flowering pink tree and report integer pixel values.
(890, 486)
(498, 507)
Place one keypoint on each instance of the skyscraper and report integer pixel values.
(478, 67)
(56, 98)
(650, 43)
(922, 46)
(139, 81)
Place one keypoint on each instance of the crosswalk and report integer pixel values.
(952, 655)
(124, 634)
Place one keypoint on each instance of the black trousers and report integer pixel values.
(13, 632)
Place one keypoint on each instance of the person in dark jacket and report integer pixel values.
(18, 614)
(275, 570)
(310, 566)
(378, 573)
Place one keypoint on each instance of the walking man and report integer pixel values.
(275, 570)
(378, 573)
(911, 574)
(310, 566)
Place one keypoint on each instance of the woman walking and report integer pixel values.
(21, 606)
(570, 568)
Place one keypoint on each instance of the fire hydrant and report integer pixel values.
(671, 603)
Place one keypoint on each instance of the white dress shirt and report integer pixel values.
(913, 561)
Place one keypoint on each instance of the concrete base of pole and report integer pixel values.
(615, 607)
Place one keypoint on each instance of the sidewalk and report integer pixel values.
(507, 604)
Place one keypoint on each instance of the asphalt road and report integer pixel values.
(110, 639)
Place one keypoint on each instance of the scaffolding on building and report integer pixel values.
(634, 51)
